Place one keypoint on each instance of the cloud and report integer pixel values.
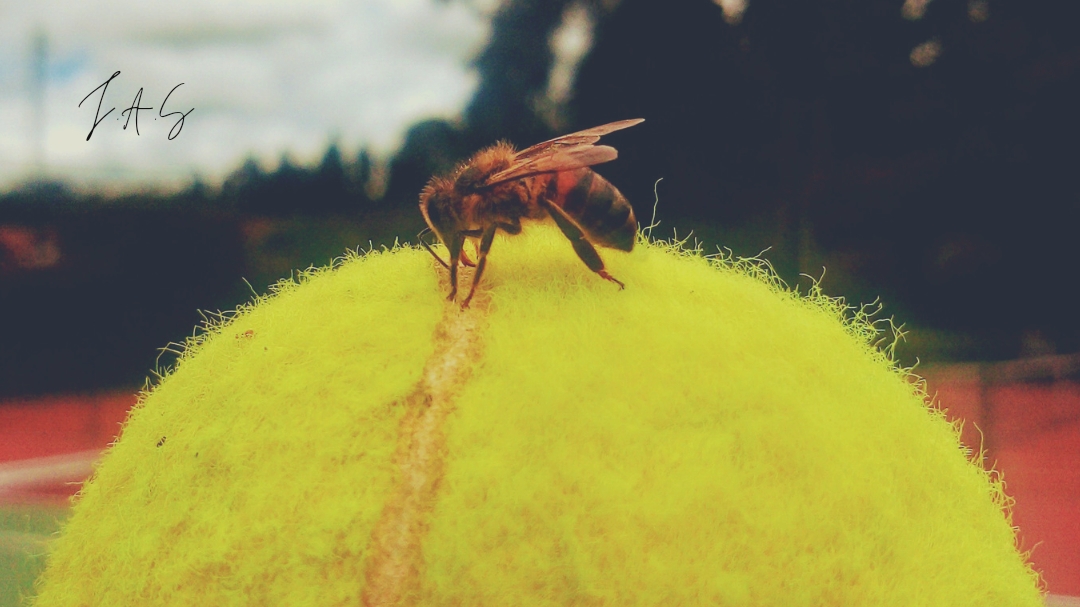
(264, 78)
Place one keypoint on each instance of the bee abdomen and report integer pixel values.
(598, 207)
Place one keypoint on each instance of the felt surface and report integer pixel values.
(703, 437)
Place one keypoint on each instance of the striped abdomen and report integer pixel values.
(597, 206)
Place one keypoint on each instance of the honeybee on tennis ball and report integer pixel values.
(499, 187)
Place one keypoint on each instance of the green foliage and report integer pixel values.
(24, 534)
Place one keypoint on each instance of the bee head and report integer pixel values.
(436, 205)
(469, 178)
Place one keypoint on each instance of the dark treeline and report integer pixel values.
(923, 153)
(333, 186)
(945, 184)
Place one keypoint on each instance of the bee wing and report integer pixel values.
(565, 153)
(553, 162)
(580, 138)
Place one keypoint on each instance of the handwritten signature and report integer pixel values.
(133, 110)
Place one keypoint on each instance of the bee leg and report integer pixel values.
(485, 246)
(584, 249)
(464, 257)
(511, 228)
(455, 252)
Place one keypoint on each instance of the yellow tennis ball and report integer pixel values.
(701, 438)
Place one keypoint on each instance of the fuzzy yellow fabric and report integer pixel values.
(701, 438)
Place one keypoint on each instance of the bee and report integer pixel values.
(500, 187)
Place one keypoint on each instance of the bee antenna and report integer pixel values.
(420, 237)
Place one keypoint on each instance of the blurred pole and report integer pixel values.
(39, 51)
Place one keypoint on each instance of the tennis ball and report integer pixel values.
(703, 437)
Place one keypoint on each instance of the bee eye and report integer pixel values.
(469, 178)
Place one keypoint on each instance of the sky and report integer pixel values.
(261, 78)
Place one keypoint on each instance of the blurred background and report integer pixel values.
(920, 153)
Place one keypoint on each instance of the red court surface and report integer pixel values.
(1028, 413)
(48, 444)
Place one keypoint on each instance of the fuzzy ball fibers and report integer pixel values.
(701, 438)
